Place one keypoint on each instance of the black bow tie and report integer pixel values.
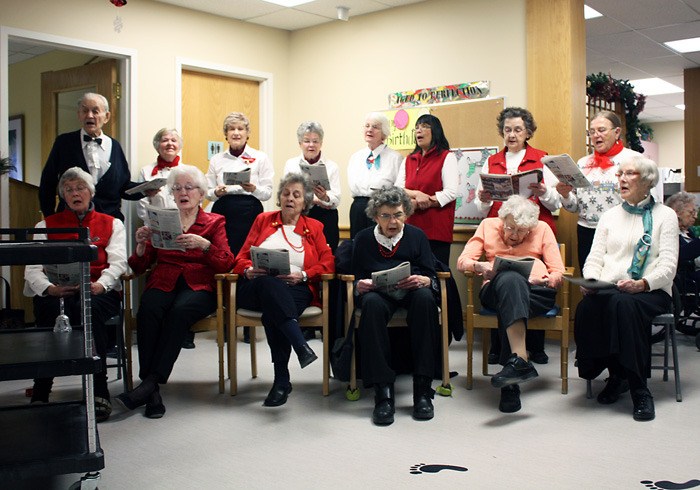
(90, 138)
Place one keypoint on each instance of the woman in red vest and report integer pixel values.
(430, 177)
(76, 187)
(516, 126)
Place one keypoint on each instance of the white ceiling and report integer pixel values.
(626, 42)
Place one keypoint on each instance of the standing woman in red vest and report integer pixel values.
(516, 126)
(430, 177)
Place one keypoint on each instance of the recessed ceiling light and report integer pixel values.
(685, 45)
(654, 86)
(680, 106)
(590, 13)
(288, 3)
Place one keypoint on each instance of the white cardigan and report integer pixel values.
(616, 239)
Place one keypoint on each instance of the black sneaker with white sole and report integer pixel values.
(516, 370)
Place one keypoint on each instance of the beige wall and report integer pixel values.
(669, 137)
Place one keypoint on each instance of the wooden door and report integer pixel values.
(206, 100)
(61, 89)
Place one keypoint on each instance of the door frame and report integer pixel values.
(264, 79)
(127, 59)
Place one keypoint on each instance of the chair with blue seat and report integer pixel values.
(556, 319)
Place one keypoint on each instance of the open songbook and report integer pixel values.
(566, 170)
(317, 174)
(237, 178)
(590, 283)
(149, 185)
(274, 261)
(385, 281)
(166, 226)
(521, 265)
(502, 186)
(63, 274)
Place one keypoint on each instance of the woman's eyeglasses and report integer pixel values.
(600, 131)
(387, 216)
(516, 231)
(517, 130)
(71, 190)
(627, 173)
(187, 187)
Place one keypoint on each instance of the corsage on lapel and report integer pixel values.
(247, 159)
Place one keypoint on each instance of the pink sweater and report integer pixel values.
(540, 243)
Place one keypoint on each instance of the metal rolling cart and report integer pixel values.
(44, 440)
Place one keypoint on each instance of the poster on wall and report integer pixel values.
(470, 161)
(403, 127)
(444, 93)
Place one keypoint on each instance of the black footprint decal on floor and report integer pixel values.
(669, 485)
(417, 469)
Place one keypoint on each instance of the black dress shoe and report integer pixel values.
(493, 358)
(515, 371)
(278, 394)
(305, 355)
(383, 413)
(423, 408)
(614, 387)
(188, 344)
(539, 357)
(154, 407)
(643, 405)
(510, 399)
(138, 396)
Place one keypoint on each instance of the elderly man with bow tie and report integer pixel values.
(93, 151)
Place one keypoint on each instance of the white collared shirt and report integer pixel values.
(292, 166)
(364, 180)
(102, 153)
(261, 173)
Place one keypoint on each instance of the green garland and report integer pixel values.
(605, 87)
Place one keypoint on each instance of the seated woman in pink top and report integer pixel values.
(515, 233)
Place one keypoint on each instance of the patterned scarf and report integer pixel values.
(639, 258)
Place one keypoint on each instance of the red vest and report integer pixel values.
(100, 226)
(424, 173)
(531, 160)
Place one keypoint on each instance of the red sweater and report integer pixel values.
(531, 160)
(424, 173)
(318, 258)
(198, 268)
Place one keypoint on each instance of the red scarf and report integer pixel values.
(161, 164)
(602, 160)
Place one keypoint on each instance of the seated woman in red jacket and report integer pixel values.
(180, 291)
(282, 298)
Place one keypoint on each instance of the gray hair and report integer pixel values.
(236, 117)
(76, 173)
(190, 171)
(679, 200)
(92, 95)
(388, 196)
(309, 127)
(381, 119)
(610, 116)
(513, 112)
(648, 170)
(296, 178)
(524, 212)
(162, 132)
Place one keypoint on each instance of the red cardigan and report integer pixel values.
(318, 258)
(198, 268)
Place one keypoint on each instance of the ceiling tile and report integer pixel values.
(604, 25)
(665, 66)
(627, 46)
(673, 32)
(693, 57)
(641, 14)
(330, 9)
(290, 20)
(652, 103)
(618, 70)
(670, 100)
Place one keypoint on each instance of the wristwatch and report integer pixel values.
(304, 276)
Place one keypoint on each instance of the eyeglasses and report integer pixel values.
(517, 130)
(422, 126)
(516, 231)
(387, 216)
(187, 187)
(600, 131)
(71, 190)
(627, 173)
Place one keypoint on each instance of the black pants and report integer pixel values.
(513, 298)
(422, 319)
(614, 328)
(279, 303)
(103, 307)
(441, 250)
(329, 218)
(358, 216)
(240, 212)
(164, 320)
(585, 240)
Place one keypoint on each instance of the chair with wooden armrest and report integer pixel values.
(213, 322)
(399, 320)
(311, 317)
(556, 319)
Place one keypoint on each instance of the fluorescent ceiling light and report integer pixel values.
(680, 106)
(654, 86)
(685, 45)
(288, 3)
(590, 13)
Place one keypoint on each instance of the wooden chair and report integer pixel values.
(399, 320)
(311, 317)
(556, 319)
(213, 322)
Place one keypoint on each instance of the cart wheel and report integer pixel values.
(444, 390)
(352, 395)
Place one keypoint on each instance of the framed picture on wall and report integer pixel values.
(16, 144)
